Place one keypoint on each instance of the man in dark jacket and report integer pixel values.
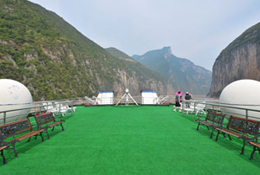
(188, 96)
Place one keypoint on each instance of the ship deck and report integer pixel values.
(130, 140)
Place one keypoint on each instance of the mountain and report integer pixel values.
(55, 61)
(239, 60)
(182, 73)
(143, 72)
(119, 54)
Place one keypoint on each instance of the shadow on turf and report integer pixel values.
(24, 146)
(235, 145)
(191, 117)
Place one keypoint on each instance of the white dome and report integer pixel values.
(14, 95)
(244, 94)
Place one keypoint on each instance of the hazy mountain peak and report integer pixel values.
(167, 49)
(182, 73)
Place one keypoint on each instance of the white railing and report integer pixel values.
(248, 111)
(7, 116)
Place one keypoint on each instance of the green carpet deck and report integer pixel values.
(130, 140)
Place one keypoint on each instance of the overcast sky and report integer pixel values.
(194, 29)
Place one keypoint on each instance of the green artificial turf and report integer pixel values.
(130, 140)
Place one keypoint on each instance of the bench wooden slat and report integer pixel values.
(55, 123)
(3, 147)
(233, 133)
(28, 135)
(255, 144)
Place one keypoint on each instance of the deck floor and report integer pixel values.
(130, 140)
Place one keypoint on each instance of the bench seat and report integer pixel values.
(230, 132)
(55, 124)
(256, 146)
(28, 135)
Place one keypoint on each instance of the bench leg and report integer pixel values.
(224, 135)
(41, 136)
(253, 152)
(243, 148)
(211, 135)
(53, 128)
(62, 127)
(47, 133)
(15, 152)
(3, 156)
(229, 137)
(217, 136)
(29, 139)
(198, 127)
(208, 127)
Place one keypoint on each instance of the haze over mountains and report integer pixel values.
(55, 61)
(182, 73)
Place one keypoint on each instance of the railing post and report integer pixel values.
(246, 113)
(72, 111)
(4, 117)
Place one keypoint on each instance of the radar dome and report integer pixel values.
(14, 95)
(243, 94)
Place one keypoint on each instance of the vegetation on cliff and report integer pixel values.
(250, 35)
(53, 59)
(239, 60)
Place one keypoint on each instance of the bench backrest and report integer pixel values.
(215, 117)
(44, 118)
(210, 116)
(16, 127)
(243, 125)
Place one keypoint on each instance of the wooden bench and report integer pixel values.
(16, 132)
(46, 121)
(256, 146)
(241, 128)
(213, 120)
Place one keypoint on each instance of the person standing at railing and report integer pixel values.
(177, 102)
(188, 96)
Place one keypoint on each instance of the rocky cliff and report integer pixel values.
(240, 60)
(55, 61)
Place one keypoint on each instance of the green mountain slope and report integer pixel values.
(182, 73)
(119, 54)
(55, 61)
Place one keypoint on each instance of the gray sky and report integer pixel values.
(195, 29)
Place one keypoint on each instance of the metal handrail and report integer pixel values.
(231, 106)
(32, 107)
